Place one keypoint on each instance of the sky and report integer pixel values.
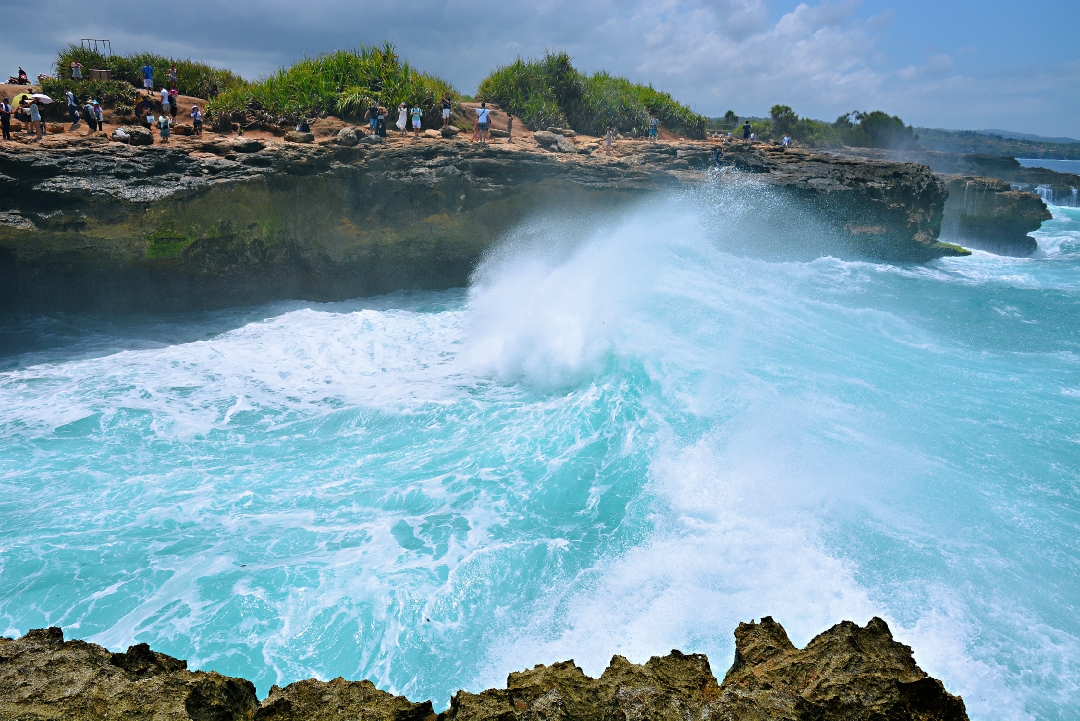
(962, 65)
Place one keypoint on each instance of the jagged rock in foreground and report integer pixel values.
(848, 673)
(88, 224)
(44, 677)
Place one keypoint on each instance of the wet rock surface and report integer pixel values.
(987, 213)
(848, 673)
(218, 221)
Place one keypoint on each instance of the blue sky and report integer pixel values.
(941, 64)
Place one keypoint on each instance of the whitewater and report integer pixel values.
(624, 438)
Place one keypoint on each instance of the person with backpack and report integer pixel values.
(174, 106)
(164, 127)
(5, 118)
(72, 108)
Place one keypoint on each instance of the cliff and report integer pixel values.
(987, 213)
(848, 673)
(86, 223)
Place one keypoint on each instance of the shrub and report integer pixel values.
(109, 93)
(196, 79)
(550, 92)
(342, 83)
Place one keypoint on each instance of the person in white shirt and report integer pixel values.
(196, 119)
(483, 121)
(72, 108)
(164, 101)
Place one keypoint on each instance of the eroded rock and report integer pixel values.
(848, 673)
(987, 213)
(295, 136)
(44, 677)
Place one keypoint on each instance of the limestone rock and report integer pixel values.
(44, 677)
(545, 139)
(987, 213)
(449, 131)
(339, 700)
(431, 133)
(347, 137)
(371, 140)
(847, 672)
(295, 136)
(179, 129)
(496, 133)
(246, 145)
(138, 135)
(565, 145)
(120, 135)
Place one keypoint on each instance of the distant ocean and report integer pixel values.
(626, 445)
(1061, 166)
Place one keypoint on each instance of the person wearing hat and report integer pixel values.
(72, 108)
(91, 116)
(164, 127)
(196, 119)
(5, 118)
(99, 116)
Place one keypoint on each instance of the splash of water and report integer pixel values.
(621, 439)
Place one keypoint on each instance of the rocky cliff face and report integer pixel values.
(88, 223)
(848, 673)
(987, 213)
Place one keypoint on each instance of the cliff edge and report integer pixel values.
(848, 673)
(86, 223)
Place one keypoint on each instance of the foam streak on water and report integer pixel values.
(623, 445)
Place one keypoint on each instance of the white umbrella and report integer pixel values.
(45, 99)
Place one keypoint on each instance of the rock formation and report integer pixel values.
(987, 213)
(86, 223)
(848, 673)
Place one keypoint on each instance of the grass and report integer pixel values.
(341, 83)
(551, 92)
(196, 79)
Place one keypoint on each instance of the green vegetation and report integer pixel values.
(196, 79)
(341, 83)
(110, 93)
(856, 129)
(969, 141)
(550, 92)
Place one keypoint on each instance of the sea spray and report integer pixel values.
(623, 438)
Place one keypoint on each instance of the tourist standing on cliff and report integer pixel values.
(5, 118)
(76, 70)
(417, 115)
(446, 109)
(609, 138)
(173, 78)
(483, 121)
(148, 77)
(99, 116)
(164, 127)
(35, 120)
(373, 117)
(402, 117)
(654, 129)
(509, 128)
(196, 119)
(164, 101)
(72, 108)
(380, 128)
(174, 106)
(746, 130)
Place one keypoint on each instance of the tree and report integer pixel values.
(888, 131)
(730, 118)
(784, 119)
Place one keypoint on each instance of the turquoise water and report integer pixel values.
(622, 446)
